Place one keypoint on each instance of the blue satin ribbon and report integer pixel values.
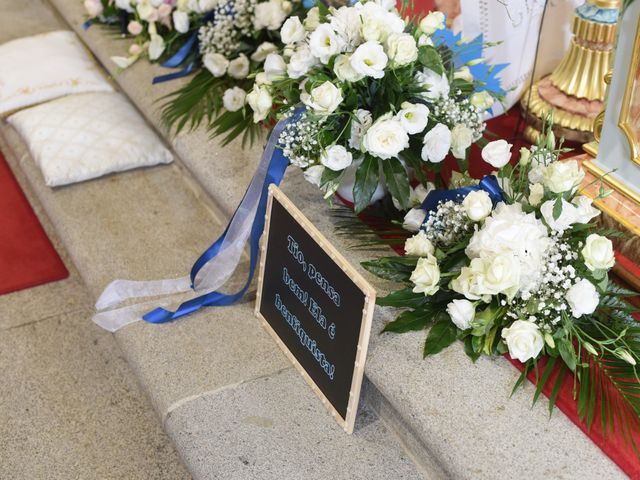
(87, 24)
(275, 172)
(489, 184)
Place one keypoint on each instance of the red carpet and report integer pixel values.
(27, 257)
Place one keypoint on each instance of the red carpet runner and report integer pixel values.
(27, 257)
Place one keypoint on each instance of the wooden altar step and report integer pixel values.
(225, 394)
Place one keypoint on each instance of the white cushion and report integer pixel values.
(80, 137)
(46, 66)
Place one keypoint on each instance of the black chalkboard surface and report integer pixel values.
(316, 306)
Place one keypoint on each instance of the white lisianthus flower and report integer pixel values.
(216, 63)
(560, 177)
(269, 15)
(598, 253)
(568, 215)
(477, 205)
(419, 245)
(124, 62)
(234, 98)
(312, 20)
(262, 79)
(401, 49)
(525, 156)
(426, 276)
(461, 139)
(414, 219)
(359, 126)
(584, 209)
(524, 340)
(425, 41)
(463, 73)
(147, 12)
(386, 138)
(497, 153)
(435, 86)
(536, 194)
(378, 23)
(386, 4)
(582, 297)
(207, 5)
(369, 60)
(313, 174)
(413, 117)
(344, 71)
(462, 312)
(437, 143)
(496, 274)
(325, 43)
(300, 62)
(336, 158)
(264, 49)
(239, 67)
(323, 99)
(482, 100)
(94, 8)
(180, 21)
(274, 67)
(260, 101)
(432, 22)
(156, 47)
(292, 31)
(124, 5)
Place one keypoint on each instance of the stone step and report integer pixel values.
(454, 418)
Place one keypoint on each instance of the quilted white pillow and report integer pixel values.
(80, 137)
(46, 66)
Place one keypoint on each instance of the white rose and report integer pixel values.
(417, 195)
(274, 67)
(462, 313)
(463, 73)
(414, 219)
(461, 139)
(262, 51)
(524, 340)
(419, 245)
(359, 126)
(413, 117)
(156, 47)
(336, 158)
(300, 62)
(425, 40)
(437, 143)
(401, 49)
(93, 7)
(598, 253)
(292, 31)
(426, 276)
(584, 210)
(344, 71)
(583, 298)
(323, 99)
(378, 23)
(124, 5)
(260, 101)
(560, 177)
(482, 100)
(564, 221)
(324, 43)
(180, 21)
(435, 86)
(313, 175)
(432, 22)
(477, 205)
(536, 193)
(269, 15)
(216, 63)
(312, 20)
(386, 138)
(497, 274)
(497, 153)
(239, 67)
(465, 284)
(233, 99)
(369, 60)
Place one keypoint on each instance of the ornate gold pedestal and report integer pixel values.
(575, 91)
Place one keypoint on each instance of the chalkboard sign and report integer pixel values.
(316, 306)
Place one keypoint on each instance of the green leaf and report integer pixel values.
(543, 380)
(429, 57)
(562, 370)
(366, 183)
(409, 320)
(567, 353)
(403, 298)
(442, 334)
(468, 349)
(398, 269)
(557, 208)
(397, 181)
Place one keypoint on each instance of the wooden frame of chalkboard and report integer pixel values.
(344, 411)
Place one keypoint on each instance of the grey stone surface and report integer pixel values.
(275, 428)
(70, 407)
(26, 17)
